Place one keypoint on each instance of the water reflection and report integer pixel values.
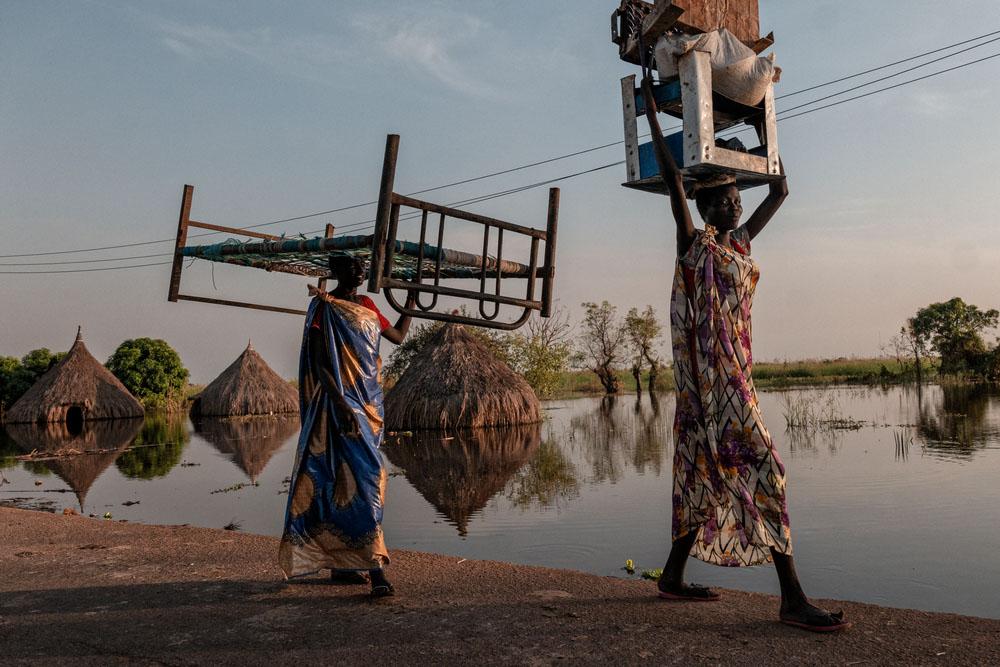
(96, 447)
(158, 447)
(953, 420)
(624, 433)
(546, 480)
(458, 474)
(250, 442)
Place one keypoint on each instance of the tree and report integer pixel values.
(151, 370)
(17, 376)
(953, 329)
(643, 330)
(542, 352)
(601, 343)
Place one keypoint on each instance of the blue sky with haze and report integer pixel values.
(273, 110)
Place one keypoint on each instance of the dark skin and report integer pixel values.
(723, 212)
(350, 275)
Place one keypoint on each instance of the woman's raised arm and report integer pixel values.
(672, 179)
(777, 192)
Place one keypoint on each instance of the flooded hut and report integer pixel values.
(249, 441)
(457, 383)
(460, 474)
(77, 458)
(76, 389)
(247, 387)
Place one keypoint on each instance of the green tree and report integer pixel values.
(151, 370)
(601, 343)
(17, 376)
(643, 331)
(954, 330)
(541, 353)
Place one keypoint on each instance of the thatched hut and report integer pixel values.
(77, 389)
(83, 456)
(459, 474)
(249, 441)
(247, 387)
(457, 383)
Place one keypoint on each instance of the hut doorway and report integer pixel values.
(74, 420)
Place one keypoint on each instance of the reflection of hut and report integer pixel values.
(248, 387)
(76, 389)
(79, 470)
(250, 441)
(460, 474)
(455, 383)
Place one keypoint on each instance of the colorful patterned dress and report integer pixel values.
(729, 484)
(334, 513)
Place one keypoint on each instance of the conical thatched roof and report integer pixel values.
(80, 470)
(250, 441)
(460, 474)
(77, 381)
(248, 387)
(457, 383)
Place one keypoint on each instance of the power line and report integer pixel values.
(102, 268)
(547, 160)
(881, 90)
(893, 64)
(890, 76)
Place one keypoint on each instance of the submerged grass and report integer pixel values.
(766, 375)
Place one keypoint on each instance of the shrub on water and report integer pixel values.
(151, 370)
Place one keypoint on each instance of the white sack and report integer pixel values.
(737, 72)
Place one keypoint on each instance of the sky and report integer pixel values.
(275, 110)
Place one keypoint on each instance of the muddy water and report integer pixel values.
(894, 495)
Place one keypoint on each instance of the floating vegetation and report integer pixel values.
(236, 487)
(233, 525)
(653, 574)
(806, 410)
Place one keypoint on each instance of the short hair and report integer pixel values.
(704, 196)
(337, 261)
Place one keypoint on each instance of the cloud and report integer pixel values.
(441, 47)
(944, 103)
(307, 56)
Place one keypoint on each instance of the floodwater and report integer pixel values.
(894, 494)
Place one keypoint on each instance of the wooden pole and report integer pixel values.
(182, 230)
(548, 282)
(383, 212)
(329, 234)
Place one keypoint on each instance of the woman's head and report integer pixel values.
(720, 206)
(348, 270)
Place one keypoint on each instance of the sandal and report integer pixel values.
(348, 577)
(383, 590)
(690, 593)
(838, 618)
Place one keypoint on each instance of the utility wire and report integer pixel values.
(552, 159)
(882, 67)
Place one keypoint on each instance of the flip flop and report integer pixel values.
(837, 616)
(697, 594)
(383, 590)
(348, 578)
